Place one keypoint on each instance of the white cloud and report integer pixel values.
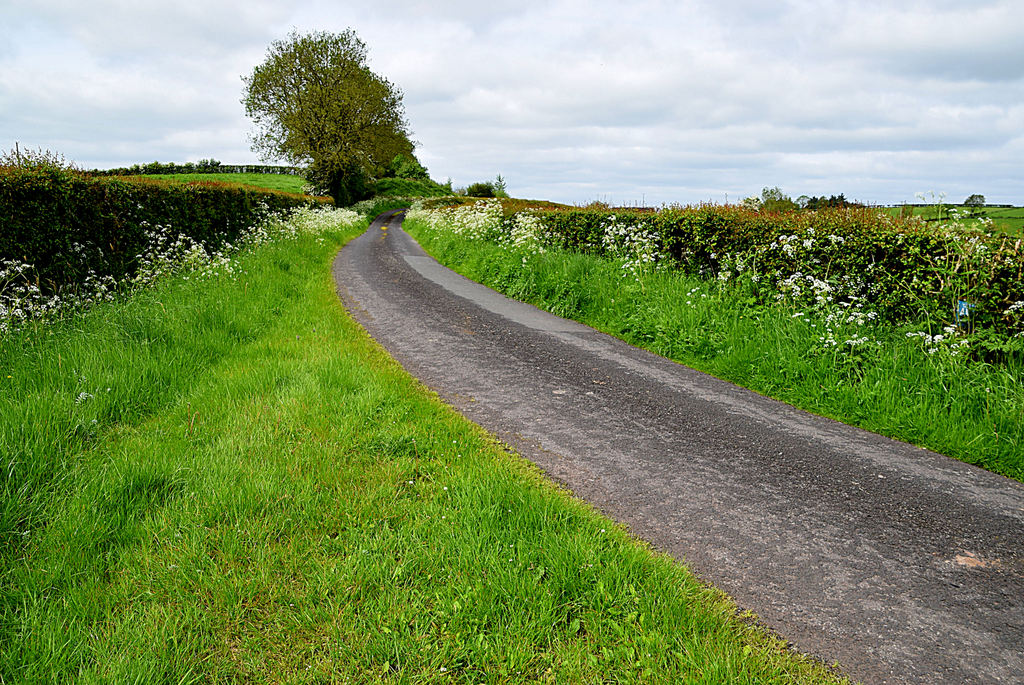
(650, 101)
(955, 42)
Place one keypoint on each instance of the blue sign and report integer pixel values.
(963, 310)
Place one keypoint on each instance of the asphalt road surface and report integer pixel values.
(900, 564)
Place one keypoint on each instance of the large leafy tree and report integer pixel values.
(316, 103)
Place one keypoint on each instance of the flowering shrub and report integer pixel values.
(526, 235)
(68, 225)
(903, 269)
(951, 341)
(18, 295)
(481, 220)
(166, 253)
(850, 266)
(638, 247)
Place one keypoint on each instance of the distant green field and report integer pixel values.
(285, 182)
(1006, 219)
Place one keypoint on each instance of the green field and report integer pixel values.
(224, 479)
(1009, 220)
(294, 184)
(285, 182)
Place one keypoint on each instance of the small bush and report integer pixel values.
(408, 187)
(482, 189)
(406, 166)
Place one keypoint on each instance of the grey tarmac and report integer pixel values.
(896, 563)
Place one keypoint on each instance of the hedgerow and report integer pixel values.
(69, 226)
(68, 241)
(858, 263)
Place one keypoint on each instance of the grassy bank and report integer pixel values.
(225, 480)
(889, 380)
(288, 183)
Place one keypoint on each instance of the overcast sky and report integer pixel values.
(573, 101)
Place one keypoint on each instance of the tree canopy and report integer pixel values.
(406, 166)
(833, 201)
(774, 200)
(976, 204)
(317, 103)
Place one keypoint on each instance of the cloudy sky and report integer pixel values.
(570, 100)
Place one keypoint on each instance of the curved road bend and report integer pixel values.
(900, 564)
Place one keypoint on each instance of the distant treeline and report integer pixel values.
(832, 202)
(203, 166)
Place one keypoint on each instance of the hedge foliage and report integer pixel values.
(408, 187)
(907, 270)
(903, 270)
(67, 224)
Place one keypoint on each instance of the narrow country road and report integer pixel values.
(901, 565)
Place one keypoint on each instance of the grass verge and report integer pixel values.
(226, 481)
(972, 411)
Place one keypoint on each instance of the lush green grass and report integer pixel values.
(403, 187)
(284, 182)
(1006, 219)
(971, 411)
(227, 481)
(294, 184)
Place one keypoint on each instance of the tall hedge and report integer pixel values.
(66, 224)
(907, 270)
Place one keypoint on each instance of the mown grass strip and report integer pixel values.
(263, 495)
(972, 411)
